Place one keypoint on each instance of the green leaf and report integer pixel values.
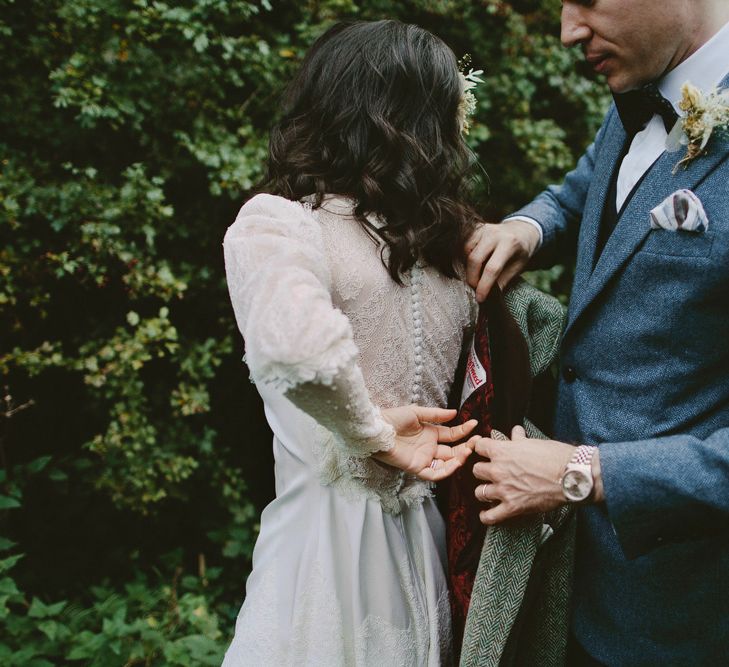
(194, 650)
(38, 464)
(8, 587)
(40, 610)
(8, 563)
(87, 645)
(8, 503)
(49, 629)
(6, 544)
(57, 475)
(28, 655)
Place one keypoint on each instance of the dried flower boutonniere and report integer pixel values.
(467, 105)
(705, 115)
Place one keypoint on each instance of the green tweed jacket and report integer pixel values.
(519, 610)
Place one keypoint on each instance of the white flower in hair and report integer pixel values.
(467, 105)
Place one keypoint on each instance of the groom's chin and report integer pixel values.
(624, 79)
(609, 70)
(619, 83)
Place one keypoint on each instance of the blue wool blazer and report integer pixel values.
(645, 376)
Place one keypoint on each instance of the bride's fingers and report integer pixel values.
(455, 433)
(444, 452)
(433, 415)
(459, 452)
(441, 470)
(447, 460)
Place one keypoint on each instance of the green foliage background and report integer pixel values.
(134, 456)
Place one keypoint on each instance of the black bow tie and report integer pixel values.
(637, 107)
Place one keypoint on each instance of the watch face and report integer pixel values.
(577, 485)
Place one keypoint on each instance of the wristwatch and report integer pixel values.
(577, 481)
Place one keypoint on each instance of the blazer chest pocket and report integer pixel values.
(678, 243)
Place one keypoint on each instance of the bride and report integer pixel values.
(344, 278)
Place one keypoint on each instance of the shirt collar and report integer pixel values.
(705, 69)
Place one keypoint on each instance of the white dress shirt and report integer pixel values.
(705, 69)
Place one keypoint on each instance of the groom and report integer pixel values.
(644, 387)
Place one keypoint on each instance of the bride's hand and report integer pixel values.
(418, 437)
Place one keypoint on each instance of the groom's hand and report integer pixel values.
(522, 476)
(499, 253)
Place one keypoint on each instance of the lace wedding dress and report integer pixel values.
(348, 568)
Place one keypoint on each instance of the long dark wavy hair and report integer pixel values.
(373, 115)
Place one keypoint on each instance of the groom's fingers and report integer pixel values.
(465, 449)
(455, 433)
(518, 433)
(499, 253)
(470, 444)
(484, 446)
(479, 252)
(493, 269)
(511, 271)
(496, 514)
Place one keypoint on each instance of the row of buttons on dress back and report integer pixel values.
(416, 393)
(416, 281)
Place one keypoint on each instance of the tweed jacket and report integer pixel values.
(645, 376)
(519, 604)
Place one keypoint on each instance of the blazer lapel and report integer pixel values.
(605, 165)
(634, 225)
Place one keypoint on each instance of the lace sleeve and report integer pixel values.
(295, 338)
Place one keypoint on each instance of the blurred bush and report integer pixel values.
(134, 455)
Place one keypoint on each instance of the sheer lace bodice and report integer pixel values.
(339, 337)
(408, 338)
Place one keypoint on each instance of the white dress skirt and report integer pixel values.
(349, 565)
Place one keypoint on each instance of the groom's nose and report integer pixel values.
(575, 29)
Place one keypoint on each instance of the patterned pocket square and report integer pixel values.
(682, 210)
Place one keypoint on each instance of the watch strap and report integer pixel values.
(583, 455)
